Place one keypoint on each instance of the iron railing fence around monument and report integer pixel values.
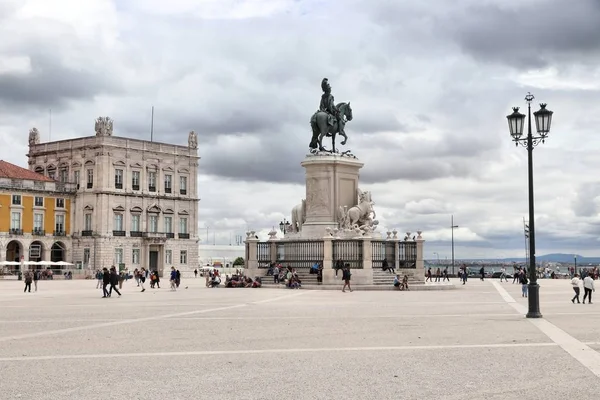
(383, 250)
(407, 254)
(264, 254)
(300, 254)
(349, 251)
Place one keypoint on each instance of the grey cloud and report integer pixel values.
(50, 83)
(532, 35)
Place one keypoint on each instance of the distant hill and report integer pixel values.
(554, 257)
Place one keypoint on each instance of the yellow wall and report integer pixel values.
(5, 212)
(27, 216)
(50, 203)
(68, 216)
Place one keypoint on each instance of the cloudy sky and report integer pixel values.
(430, 83)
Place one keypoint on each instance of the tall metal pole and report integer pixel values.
(534, 288)
(152, 126)
(452, 226)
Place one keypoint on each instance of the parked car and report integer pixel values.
(497, 275)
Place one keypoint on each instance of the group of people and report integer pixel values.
(401, 284)
(588, 287)
(242, 281)
(289, 276)
(439, 274)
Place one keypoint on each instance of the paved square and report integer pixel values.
(65, 341)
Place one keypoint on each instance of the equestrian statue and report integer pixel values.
(329, 120)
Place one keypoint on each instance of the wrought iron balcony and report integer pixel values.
(135, 187)
(170, 235)
(15, 231)
(152, 188)
(135, 233)
(87, 233)
(118, 233)
(90, 185)
(38, 232)
(184, 236)
(118, 186)
(60, 233)
(182, 191)
(167, 190)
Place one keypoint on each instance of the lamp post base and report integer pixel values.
(533, 297)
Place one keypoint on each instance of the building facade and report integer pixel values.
(135, 202)
(35, 216)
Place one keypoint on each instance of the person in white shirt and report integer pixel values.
(588, 287)
(575, 283)
(503, 274)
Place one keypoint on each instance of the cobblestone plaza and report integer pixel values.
(469, 343)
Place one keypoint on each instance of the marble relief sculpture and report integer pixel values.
(298, 216)
(193, 140)
(361, 217)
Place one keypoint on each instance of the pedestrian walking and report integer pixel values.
(429, 275)
(503, 274)
(438, 274)
(105, 281)
(482, 273)
(575, 283)
(99, 276)
(524, 289)
(196, 273)
(173, 279)
(36, 278)
(114, 282)
(346, 275)
(276, 274)
(445, 275)
(588, 288)
(28, 279)
(142, 276)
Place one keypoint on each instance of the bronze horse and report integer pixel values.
(321, 126)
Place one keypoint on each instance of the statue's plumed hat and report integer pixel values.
(324, 84)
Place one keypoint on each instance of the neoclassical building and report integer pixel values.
(135, 202)
(35, 216)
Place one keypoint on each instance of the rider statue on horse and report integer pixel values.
(329, 120)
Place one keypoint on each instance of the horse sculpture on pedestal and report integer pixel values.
(324, 124)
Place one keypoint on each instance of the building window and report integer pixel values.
(182, 225)
(168, 224)
(63, 175)
(118, 256)
(90, 178)
(16, 199)
(60, 223)
(38, 222)
(39, 201)
(15, 220)
(118, 226)
(87, 222)
(183, 184)
(76, 177)
(167, 183)
(183, 257)
(119, 178)
(135, 256)
(152, 181)
(60, 203)
(135, 223)
(86, 256)
(168, 257)
(135, 180)
(51, 173)
(154, 223)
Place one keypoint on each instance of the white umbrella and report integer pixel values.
(62, 263)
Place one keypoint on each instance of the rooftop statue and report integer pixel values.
(104, 126)
(329, 120)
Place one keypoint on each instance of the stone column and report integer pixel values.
(367, 254)
(329, 277)
(420, 264)
(273, 245)
(251, 262)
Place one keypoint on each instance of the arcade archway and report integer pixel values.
(58, 252)
(14, 251)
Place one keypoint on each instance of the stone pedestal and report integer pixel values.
(331, 183)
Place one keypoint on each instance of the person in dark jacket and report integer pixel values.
(114, 281)
(105, 281)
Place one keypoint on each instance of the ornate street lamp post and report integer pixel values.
(284, 226)
(452, 226)
(543, 118)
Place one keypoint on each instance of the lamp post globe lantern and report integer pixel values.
(284, 226)
(543, 119)
(516, 122)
